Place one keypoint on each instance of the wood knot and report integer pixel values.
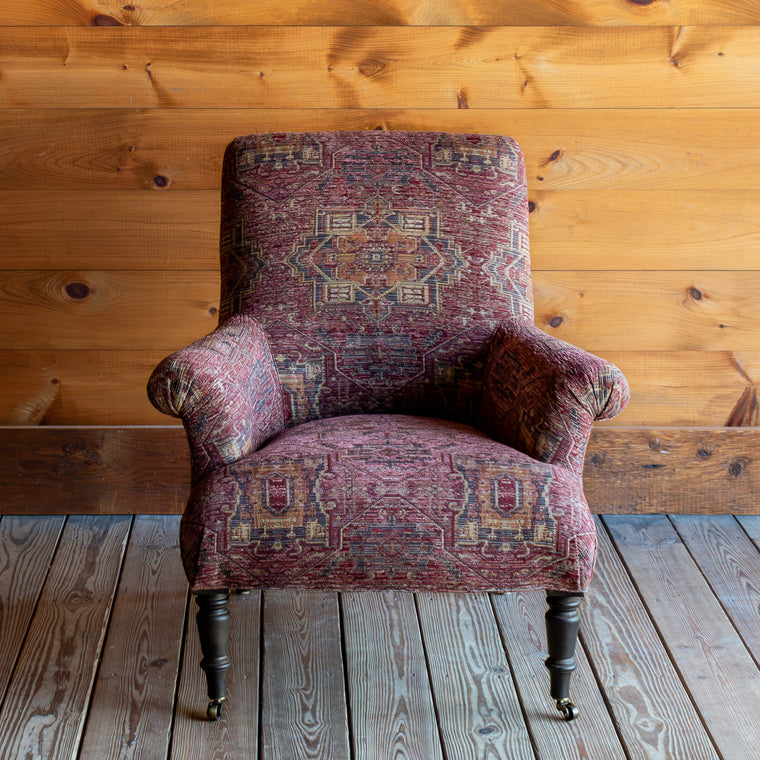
(598, 459)
(371, 67)
(704, 453)
(695, 293)
(556, 321)
(160, 181)
(736, 466)
(77, 291)
(531, 207)
(555, 156)
(104, 20)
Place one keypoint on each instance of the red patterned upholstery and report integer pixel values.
(376, 409)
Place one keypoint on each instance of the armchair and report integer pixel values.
(376, 409)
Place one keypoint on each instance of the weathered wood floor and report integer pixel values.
(99, 657)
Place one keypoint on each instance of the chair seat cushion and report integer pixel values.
(388, 501)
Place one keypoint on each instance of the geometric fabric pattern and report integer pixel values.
(542, 395)
(226, 390)
(399, 253)
(436, 505)
(376, 408)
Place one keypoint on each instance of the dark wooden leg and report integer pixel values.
(562, 622)
(214, 630)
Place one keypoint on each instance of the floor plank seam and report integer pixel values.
(262, 664)
(603, 692)
(436, 711)
(743, 522)
(515, 681)
(346, 691)
(178, 675)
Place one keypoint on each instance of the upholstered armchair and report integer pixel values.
(376, 409)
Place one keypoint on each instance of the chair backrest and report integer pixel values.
(378, 263)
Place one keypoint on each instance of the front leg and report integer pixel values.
(213, 620)
(562, 623)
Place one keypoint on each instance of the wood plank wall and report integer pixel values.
(640, 122)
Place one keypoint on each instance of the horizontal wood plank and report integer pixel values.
(655, 311)
(373, 12)
(679, 470)
(118, 229)
(107, 387)
(577, 230)
(585, 149)
(686, 388)
(380, 67)
(645, 230)
(86, 309)
(78, 387)
(113, 470)
(91, 470)
(599, 311)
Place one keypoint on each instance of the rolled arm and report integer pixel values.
(541, 395)
(226, 390)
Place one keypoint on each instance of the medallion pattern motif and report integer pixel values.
(399, 254)
(378, 258)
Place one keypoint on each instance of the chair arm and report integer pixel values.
(226, 390)
(541, 395)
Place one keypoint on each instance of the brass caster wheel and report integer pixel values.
(214, 709)
(568, 709)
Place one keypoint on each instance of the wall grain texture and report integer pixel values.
(640, 123)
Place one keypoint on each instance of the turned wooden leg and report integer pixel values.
(213, 620)
(562, 622)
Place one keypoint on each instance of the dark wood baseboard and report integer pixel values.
(145, 470)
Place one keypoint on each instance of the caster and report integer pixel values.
(568, 709)
(214, 709)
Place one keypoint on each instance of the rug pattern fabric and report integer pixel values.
(376, 408)
(377, 263)
(388, 501)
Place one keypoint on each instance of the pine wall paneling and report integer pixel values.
(640, 124)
